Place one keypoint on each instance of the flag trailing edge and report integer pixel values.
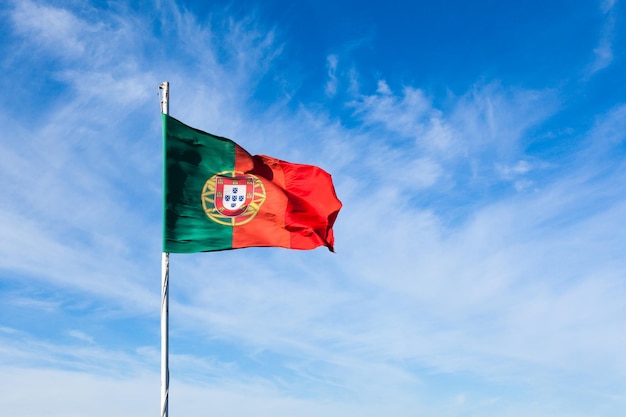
(217, 196)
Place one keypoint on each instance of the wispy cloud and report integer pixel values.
(331, 84)
(54, 30)
(603, 52)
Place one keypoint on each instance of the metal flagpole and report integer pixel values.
(165, 294)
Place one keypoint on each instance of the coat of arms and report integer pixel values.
(233, 194)
(232, 198)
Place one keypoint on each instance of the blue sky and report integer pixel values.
(478, 149)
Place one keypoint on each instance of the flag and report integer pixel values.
(217, 196)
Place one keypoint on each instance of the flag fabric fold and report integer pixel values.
(218, 197)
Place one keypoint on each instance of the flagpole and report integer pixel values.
(165, 294)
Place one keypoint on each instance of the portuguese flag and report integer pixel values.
(217, 196)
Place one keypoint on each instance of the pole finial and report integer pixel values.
(164, 90)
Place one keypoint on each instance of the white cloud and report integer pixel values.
(55, 30)
(607, 5)
(77, 334)
(488, 118)
(494, 119)
(517, 174)
(603, 52)
(402, 115)
(609, 130)
(331, 84)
